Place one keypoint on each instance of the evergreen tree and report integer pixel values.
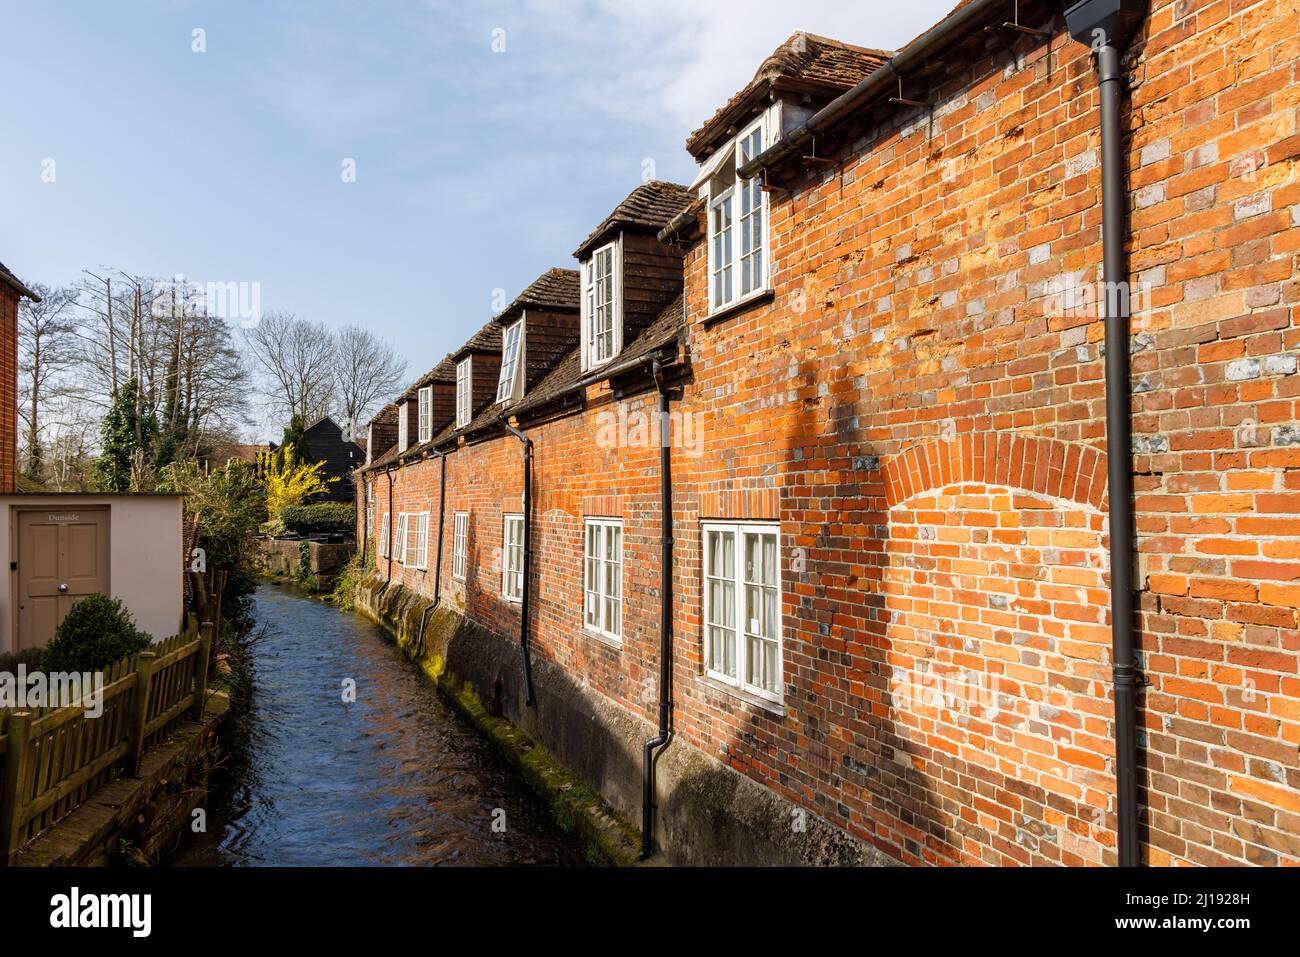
(293, 446)
(124, 432)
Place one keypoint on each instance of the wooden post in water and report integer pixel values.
(201, 671)
(11, 787)
(140, 714)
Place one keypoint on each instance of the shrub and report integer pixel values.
(96, 632)
(288, 484)
(229, 505)
(30, 658)
(320, 517)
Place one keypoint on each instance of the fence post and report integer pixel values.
(11, 796)
(140, 716)
(201, 671)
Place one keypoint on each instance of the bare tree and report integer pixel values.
(70, 453)
(367, 370)
(294, 358)
(47, 344)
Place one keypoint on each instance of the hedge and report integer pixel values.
(320, 517)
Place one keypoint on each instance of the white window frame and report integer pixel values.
(420, 528)
(512, 557)
(403, 427)
(728, 198)
(399, 537)
(425, 414)
(740, 618)
(460, 545)
(370, 443)
(596, 602)
(592, 357)
(382, 544)
(464, 392)
(509, 383)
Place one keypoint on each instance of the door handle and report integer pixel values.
(63, 587)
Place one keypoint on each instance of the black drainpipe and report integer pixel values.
(392, 520)
(437, 568)
(442, 518)
(665, 620)
(1106, 26)
(528, 559)
(368, 484)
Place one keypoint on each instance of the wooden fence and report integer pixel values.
(54, 759)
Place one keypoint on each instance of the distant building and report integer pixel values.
(326, 443)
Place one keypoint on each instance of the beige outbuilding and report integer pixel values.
(61, 547)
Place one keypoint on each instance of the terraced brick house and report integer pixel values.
(867, 606)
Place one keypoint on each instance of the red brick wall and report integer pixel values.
(927, 425)
(8, 388)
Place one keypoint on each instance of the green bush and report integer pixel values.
(320, 517)
(96, 632)
(30, 658)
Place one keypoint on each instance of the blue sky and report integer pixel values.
(475, 169)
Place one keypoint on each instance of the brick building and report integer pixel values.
(874, 319)
(11, 291)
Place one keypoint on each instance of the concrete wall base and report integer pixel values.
(708, 812)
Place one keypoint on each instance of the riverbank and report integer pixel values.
(607, 837)
(347, 756)
(139, 820)
(707, 813)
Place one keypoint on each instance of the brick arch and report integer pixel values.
(1050, 467)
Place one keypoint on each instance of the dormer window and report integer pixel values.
(738, 261)
(425, 427)
(370, 443)
(403, 427)
(602, 312)
(510, 385)
(463, 395)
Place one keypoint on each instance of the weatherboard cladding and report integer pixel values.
(325, 443)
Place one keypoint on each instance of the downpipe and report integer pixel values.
(1106, 25)
(665, 619)
(392, 521)
(437, 568)
(528, 560)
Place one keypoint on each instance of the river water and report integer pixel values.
(395, 778)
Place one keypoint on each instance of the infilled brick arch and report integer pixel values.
(997, 648)
(1048, 467)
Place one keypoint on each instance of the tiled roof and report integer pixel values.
(444, 371)
(553, 289)
(11, 280)
(651, 206)
(487, 339)
(805, 61)
(386, 416)
(567, 373)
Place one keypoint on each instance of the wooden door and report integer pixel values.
(62, 557)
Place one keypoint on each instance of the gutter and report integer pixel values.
(657, 354)
(885, 80)
(528, 561)
(1106, 26)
